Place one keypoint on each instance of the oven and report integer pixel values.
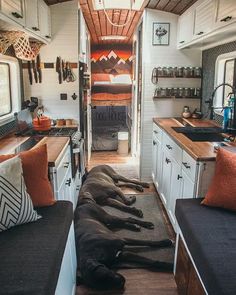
(77, 157)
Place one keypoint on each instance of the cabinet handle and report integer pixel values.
(154, 142)
(169, 147)
(168, 161)
(200, 33)
(78, 187)
(186, 165)
(16, 15)
(35, 29)
(179, 177)
(156, 132)
(181, 42)
(226, 19)
(66, 165)
(48, 37)
(68, 182)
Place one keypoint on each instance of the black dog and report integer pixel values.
(102, 186)
(98, 248)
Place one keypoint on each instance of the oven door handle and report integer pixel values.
(76, 150)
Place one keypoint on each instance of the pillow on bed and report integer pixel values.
(35, 171)
(15, 204)
(222, 190)
(101, 78)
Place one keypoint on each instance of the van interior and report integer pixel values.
(146, 88)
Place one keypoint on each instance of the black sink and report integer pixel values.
(201, 133)
(205, 136)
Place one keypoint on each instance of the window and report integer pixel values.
(10, 88)
(5, 90)
(225, 73)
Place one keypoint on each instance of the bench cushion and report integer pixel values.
(31, 254)
(210, 234)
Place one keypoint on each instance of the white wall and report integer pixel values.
(154, 56)
(65, 44)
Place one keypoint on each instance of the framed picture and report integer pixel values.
(161, 34)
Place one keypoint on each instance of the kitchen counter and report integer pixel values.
(200, 151)
(55, 146)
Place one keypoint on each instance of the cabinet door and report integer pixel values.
(154, 158)
(31, 14)
(65, 191)
(14, 9)
(166, 178)
(226, 11)
(204, 17)
(158, 178)
(185, 28)
(175, 190)
(44, 20)
(188, 187)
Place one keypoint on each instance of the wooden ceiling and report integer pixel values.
(174, 6)
(99, 26)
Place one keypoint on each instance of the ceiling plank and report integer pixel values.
(102, 19)
(162, 4)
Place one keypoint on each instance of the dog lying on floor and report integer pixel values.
(98, 248)
(102, 186)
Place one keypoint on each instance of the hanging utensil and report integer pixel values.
(30, 73)
(70, 75)
(58, 69)
(64, 72)
(38, 68)
(35, 71)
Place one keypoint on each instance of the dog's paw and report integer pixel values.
(138, 212)
(130, 200)
(139, 188)
(145, 184)
(148, 225)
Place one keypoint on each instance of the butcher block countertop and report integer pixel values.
(200, 151)
(55, 146)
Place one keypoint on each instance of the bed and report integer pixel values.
(109, 90)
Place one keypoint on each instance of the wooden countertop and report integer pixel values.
(200, 151)
(55, 146)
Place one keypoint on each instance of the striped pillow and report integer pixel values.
(15, 204)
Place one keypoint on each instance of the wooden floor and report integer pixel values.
(138, 281)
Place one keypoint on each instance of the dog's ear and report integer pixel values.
(98, 276)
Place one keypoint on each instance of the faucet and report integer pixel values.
(211, 102)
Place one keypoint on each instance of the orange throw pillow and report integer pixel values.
(222, 190)
(35, 172)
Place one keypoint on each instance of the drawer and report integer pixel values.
(63, 167)
(157, 132)
(172, 148)
(189, 165)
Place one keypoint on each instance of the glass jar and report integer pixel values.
(179, 72)
(157, 92)
(197, 72)
(160, 71)
(187, 92)
(192, 92)
(198, 92)
(181, 92)
(186, 72)
(164, 71)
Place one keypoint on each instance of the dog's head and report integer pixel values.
(97, 275)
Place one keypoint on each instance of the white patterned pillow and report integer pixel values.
(15, 204)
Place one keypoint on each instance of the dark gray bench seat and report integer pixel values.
(31, 254)
(210, 235)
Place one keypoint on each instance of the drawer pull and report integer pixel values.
(78, 187)
(66, 165)
(154, 142)
(226, 19)
(169, 147)
(200, 33)
(16, 15)
(181, 42)
(179, 177)
(186, 165)
(48, 37)
(156, 132)
(168, 161)
(68, 182)
(35, 29)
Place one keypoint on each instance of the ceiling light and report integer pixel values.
(113, 37)
(117, 4)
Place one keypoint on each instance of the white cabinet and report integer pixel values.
(176, 175)
(44, 20)
(156, 160)
(185, 28)
(14, 9)
(204, 18)
(31, 14)
(226, 11)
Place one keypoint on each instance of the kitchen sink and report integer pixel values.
(201, 133)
